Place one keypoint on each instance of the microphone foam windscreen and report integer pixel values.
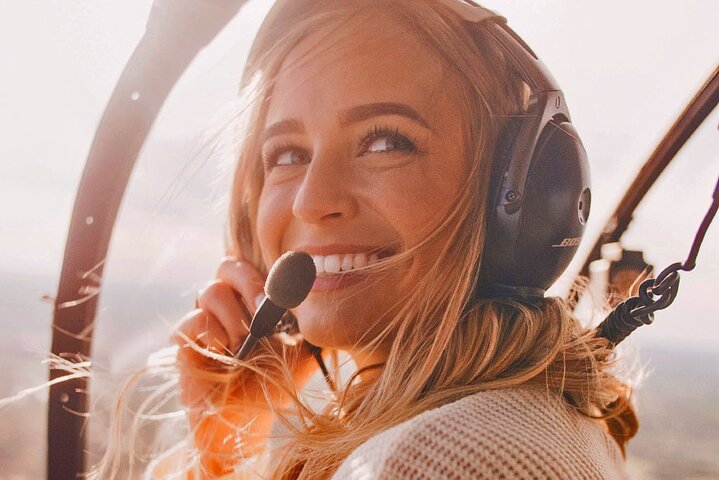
(290, 279)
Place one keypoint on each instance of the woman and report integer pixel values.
(369, 140)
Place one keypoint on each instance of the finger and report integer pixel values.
(244, 278)
(201, 327)
(198, 378)
(297, 353)
(228, 307)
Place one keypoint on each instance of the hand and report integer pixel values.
(227, 408)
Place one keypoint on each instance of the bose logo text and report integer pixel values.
(568, 242)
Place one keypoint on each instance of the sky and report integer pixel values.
(627, 70)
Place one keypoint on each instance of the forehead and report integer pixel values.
(372, 62)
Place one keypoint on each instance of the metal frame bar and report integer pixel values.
(176, 32)
(685, 125)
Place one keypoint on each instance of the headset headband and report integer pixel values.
(526, 62)
(521, 258)
(470, 11)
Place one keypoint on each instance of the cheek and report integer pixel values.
(273, 214)
(416, 204)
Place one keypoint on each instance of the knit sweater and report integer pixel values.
(514, 433)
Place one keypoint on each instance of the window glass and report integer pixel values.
(627, 70)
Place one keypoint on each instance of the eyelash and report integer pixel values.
(385, 131)
(269, 157)
(376, 132)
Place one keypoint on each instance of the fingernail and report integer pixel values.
(258, 300)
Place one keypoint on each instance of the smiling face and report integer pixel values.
(363, 157)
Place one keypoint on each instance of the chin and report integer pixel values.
(349, 317)
(326, 327)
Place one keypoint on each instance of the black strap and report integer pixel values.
(655, 294)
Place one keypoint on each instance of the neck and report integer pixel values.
(370, 362)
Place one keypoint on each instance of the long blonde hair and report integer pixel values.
(452, 344)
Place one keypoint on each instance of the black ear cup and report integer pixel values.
(530, 241)
(538, 198)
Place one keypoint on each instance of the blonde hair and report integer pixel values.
(452, 344)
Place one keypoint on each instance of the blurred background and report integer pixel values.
(627, 70)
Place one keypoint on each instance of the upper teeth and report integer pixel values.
(343, 262)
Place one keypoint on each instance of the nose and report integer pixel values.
(325, 193)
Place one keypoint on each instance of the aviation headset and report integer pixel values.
(539, 196)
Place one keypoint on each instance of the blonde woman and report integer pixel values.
(369, 141)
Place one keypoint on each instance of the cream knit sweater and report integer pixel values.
(513, 433)
(521, 433)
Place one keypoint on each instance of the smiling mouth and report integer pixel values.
(347, 262)
(340, 266)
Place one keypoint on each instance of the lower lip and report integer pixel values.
(326, 283)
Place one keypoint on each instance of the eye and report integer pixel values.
(283, 155)
(385, 140)
(289, 157)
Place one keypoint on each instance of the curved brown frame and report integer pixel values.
(175, 33)
(685, 125)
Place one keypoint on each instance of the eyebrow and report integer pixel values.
(282, 128)
(364, 112)
(350, 116)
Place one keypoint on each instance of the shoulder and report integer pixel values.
(520, 432)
